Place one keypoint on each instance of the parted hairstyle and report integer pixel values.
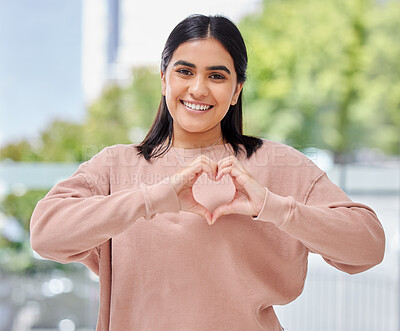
(197, 27)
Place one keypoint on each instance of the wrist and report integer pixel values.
(161, 198)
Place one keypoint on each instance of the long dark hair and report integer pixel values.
(191, 28)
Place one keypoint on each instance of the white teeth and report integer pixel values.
(196, 107)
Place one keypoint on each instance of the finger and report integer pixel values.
(224, 162)
(190, 174)
(197, 168)
(207, 165)
(246, 184)
(223, 172)
(233, 172)
(195, 176)
(230, 160)
(220, 211)
(236, 183)
(210, 167)
(227, 159)
(202, 211)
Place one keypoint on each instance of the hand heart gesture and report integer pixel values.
(249, 194)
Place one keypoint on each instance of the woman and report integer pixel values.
(137, 214)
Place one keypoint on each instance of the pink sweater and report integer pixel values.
(162, 269)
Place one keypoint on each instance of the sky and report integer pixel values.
(46, 67)
(40, 65)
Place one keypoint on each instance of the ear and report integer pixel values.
(163, 85)
(235, 96)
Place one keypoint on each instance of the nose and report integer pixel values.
(198, 87)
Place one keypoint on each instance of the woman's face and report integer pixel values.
(200, 84)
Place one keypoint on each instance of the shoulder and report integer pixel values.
(116, 155)
(274, 153)
(284, 169)
(119, 148)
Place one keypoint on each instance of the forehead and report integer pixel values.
(203, 53)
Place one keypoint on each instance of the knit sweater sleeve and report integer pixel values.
(348, 235)
(78, 214)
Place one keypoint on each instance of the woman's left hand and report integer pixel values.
(249, 195)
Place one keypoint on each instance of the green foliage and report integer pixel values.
(121, 109)
(107, 122)
(21, 207)
(146, 84)
(61, 142)
(21, 151)
(325, 73)
(110, 120)
(15, 258)
(16, 255)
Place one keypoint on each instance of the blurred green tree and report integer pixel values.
(111, 119)
(325, 74)
(15, 250)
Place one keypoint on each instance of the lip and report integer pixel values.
(196, 111)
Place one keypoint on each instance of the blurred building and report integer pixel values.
(121, 34)
(94, 46)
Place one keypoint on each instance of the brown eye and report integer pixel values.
(185, 72)
(217, 76)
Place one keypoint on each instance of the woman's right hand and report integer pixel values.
(184, 180)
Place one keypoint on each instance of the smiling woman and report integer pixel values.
(139, 215)
(198, 95)
(203, 68)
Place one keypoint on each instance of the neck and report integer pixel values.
(187, 144)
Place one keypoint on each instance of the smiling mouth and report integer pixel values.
(194, 106)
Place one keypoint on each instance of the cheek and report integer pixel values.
(174, 88)
(224, 95)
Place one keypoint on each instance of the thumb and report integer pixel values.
(220, 211)
(202, 211)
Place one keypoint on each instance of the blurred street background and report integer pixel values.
(79, 75)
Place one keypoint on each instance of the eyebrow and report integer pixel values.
(191, 65)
